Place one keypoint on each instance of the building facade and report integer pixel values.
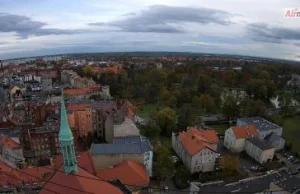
(196, 148)
(235, 137)
(263, 126)
(259, 150)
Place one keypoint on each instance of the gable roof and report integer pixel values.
(77, 91)
(244, 131)
(261, 144)
(128, 172)
(90, 185)
(84, 161)
(194, 140)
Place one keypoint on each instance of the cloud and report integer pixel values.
(25, 26)
(264, 33)
(166, 19)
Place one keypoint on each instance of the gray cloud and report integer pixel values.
(25, 26)
(265, 33)
(165, 19)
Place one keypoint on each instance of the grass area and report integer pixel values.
(220, 128)
(291, 131)
(145, 109)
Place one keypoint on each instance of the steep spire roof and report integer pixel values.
(65, 133)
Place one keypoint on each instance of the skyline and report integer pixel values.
(251, 28)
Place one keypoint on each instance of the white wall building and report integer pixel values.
(235, 137)
(196, 148)
(259, 150)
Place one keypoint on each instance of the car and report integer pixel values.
(166, 188)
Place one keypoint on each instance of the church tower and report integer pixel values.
(66, 141)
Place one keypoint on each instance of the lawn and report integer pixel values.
(220, 128)
(145, 109)
(291, 131)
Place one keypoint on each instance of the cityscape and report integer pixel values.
(110, 97)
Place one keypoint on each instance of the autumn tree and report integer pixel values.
(88, 71)
(230, 163)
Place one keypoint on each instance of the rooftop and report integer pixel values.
(272, 137)
(263, 145)
(260, 123)
(127, 128)
(194, 140)
(252, 184)
(91, 185)
(245, 131)
(129, 145)
(128, 172)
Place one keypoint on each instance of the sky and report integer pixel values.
(243, 27)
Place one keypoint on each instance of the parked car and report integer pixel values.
(296, 161)
(166, 188)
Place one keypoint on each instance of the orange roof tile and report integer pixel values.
(76, 91)
(84, 161)
(78, 182)
(128, 172)
(194, 140)
(245, 131)
(77, 107)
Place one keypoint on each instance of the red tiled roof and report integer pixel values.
(77, 107)
(84, 161)
(8, 142)
(128, 172)
(194, 140)
(245, 131)
(79, 183)
(76, 91)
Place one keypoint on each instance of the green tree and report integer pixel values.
(163, 162)
(151, 130)
(204, 83)
(166, 120)
(230, 107)
(166, 98)
(206, 103)
(182, 177)
(252, 107)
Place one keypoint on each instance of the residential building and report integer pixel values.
(81, 121)
(126, 128)
(40, 143)
(11, 151)
(275, 140)
(196, 148)
(235, 137)
(46, 83)
(263, 126)
(259, 150)
(135, 148)
(70, 77)
(62, 177)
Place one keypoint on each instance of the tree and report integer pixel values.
(182, 177)
(166, 120)
(166, 98)
(206, 102)
(230, 107)
(230, 163)
(163, 162)
(151, 130)
(204, 83)
(252, 107)
(88, 71)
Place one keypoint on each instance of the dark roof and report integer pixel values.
(291, 184)
(272, 137)
(258, 184)
(261, 124)
(263, 145)
(128, 145)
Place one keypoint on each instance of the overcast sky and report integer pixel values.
(246, 27)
